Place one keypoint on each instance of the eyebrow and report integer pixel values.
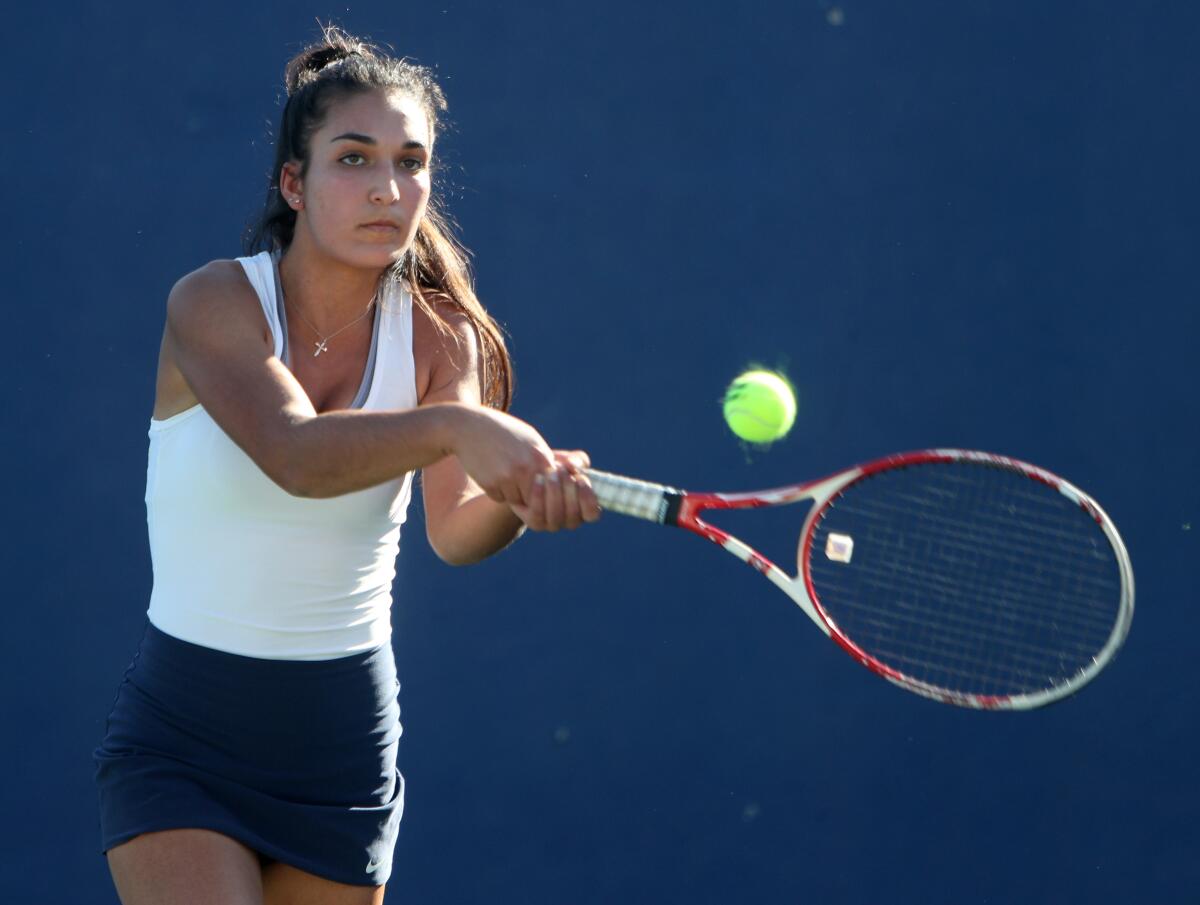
(368, 140)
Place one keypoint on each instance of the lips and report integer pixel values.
(382, 225)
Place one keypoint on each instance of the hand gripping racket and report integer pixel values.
(963, 576)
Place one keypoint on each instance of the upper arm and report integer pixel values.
(452, 351)
(454, 376)
(215, 331)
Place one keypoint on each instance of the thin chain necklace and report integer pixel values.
(322, 343)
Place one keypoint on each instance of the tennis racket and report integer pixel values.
(969, 578)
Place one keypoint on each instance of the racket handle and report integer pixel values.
(640, 499)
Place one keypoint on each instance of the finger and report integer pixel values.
(553, 510)
(571, 512)
(589, 506)
(532, 515)
(575, 459)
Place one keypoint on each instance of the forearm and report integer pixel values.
(340, 452)
(474, 530)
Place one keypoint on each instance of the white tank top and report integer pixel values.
(244, 567)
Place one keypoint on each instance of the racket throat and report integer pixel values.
(673, 505)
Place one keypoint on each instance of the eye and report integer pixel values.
(413, 164)
(353, 159)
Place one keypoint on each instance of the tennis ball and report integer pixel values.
(760, 406)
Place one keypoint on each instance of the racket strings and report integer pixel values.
(968, 577)
(1015, 531)
(914, 581)
(961, 638)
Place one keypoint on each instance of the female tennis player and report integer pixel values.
(250, 755)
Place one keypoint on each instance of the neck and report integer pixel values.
(326, 292)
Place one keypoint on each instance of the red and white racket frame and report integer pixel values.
(680, 508)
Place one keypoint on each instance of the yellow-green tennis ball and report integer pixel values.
(760, 406)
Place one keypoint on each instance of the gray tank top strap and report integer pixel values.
(285, 355)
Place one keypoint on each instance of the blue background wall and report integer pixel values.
(952, 223)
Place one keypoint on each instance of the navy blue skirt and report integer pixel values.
(295, 759)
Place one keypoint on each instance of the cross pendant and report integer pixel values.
(322, 346)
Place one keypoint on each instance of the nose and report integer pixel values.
(386, 192)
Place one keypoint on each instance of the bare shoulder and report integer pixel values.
(454, 325)
(211, 312)
(211, 295)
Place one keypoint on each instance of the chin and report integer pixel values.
(374, 258)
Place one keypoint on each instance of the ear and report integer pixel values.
(291, 187)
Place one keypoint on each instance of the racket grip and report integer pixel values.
(629, 496)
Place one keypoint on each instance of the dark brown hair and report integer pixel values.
(436, 266)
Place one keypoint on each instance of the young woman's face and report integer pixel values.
(368, 182)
